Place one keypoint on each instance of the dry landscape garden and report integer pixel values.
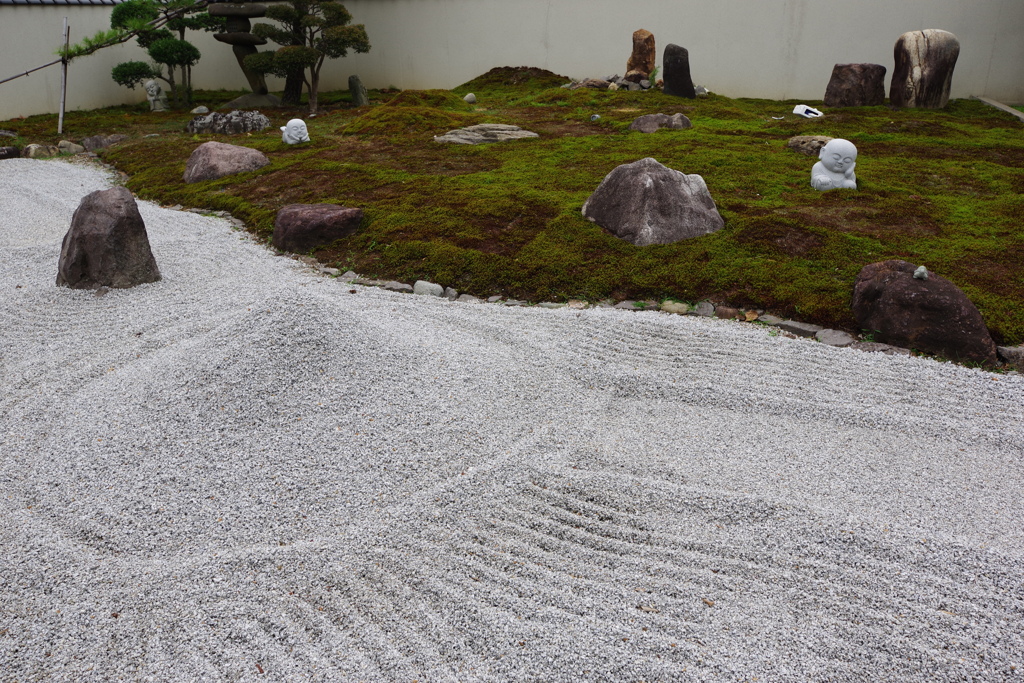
(942, 188)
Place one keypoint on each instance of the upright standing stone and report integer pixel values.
(924, 69)
(643, 55)
(856, 85)
(107, 245)
(677, 72)
(357, 91)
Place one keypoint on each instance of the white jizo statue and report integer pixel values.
(835, 168)
(294, 132)
(156, 96)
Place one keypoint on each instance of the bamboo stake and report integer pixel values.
(63, 78)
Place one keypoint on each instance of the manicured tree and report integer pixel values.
(314, 31)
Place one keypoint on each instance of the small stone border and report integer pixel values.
(1014, 356)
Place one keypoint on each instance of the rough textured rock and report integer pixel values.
(357, 91)
(676, 307)
(856, 85)
(835, 338)
(924, 69)
(799, 329)
(641, 59)
(930, 315)
(635, 77)
(427, 288)
(676, 74)
(1012, 356)
(94, 142)
(808, 144)
(36, 151)
(68, 147)
(652, 122)
(485, 133)
(647, 203)
(107, 245)
(596, 83)
(9, 152)
(212, 160)
(302, 227)
(231, 123)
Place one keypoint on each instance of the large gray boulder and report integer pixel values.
(302, 227)
(856, 85)
(924, 69)
(647, 203)
(649, 123)
(928, 314)
(107, 245)
(484, 133)
(232, 123)
(212, 160)
(357, 91)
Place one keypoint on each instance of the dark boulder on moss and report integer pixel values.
(924, 312)
(212, 160)
(647, 203)
(232, 123)
(107, 244)
(648, 123)
(302, 227)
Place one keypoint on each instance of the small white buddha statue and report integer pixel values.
(834, 169)
(294, 132)
(156, 96)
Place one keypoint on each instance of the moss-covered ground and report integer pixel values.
(943, 188)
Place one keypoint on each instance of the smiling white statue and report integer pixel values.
(294, 132)
(834, 169)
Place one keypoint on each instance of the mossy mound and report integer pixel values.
(438, 99)
(409, 120)
(524, 77)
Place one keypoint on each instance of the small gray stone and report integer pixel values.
(470, 98)
(550, 304)
(835, 338)
(333, 272)
(36, 151)
(769, 319)
(484, 133)
(705, 309)
(493, 299)
(1012, 355)
(921, 273)
(450, 294)
(627, 305)
(676, 307)
(200, 110)
(469, 299)
(427, 288)
(68, 147)
(515, 302)
(800, 329)
(349, 275)
(393, 286)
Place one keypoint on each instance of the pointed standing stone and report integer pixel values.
(357, 91)
(924, 69)
(643, 55)
(677, 72)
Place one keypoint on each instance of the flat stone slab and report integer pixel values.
(485, 133)
(835, 338)
(799, 329)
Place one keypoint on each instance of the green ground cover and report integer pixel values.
(940, 188)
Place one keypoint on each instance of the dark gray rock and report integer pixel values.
(232, 123)
(924, 69)
(427, 288)
(676, 73)
(704, 309)
(9, 152)
(647, 203)
(107, 245)
(652, 122)
(799, 329)
(596, 83)
(68, 147)
(212, 160)
(394, 286)
(931, 315)
(856, 85)
(1012, 356)
(835, 338)
(94, 142)
(357, 91)
(484, 133)
(303, 227)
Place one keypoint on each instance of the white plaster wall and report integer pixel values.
(780, 49)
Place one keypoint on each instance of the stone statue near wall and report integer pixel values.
(156, 96)
(294, 132)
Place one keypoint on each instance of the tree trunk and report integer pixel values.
(293, 87)
(314, 85)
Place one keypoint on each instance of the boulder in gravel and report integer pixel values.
(931, 315)
(427, 288)
(232, 123)
(835, 338)
(301, 227)
(212, 160)
(808, 144)
(677, 80)
(798, 328)
(647, 203)
(924, 69)
(68, 147)
(9, 152)
(483, 133)
(652, 122)
(856, 85)
(37, 151)
(107, 245)
(1012, 356)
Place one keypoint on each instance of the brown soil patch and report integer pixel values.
(777, 234)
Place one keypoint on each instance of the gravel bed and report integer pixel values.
(249, 471)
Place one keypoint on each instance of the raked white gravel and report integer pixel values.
(247, 472)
